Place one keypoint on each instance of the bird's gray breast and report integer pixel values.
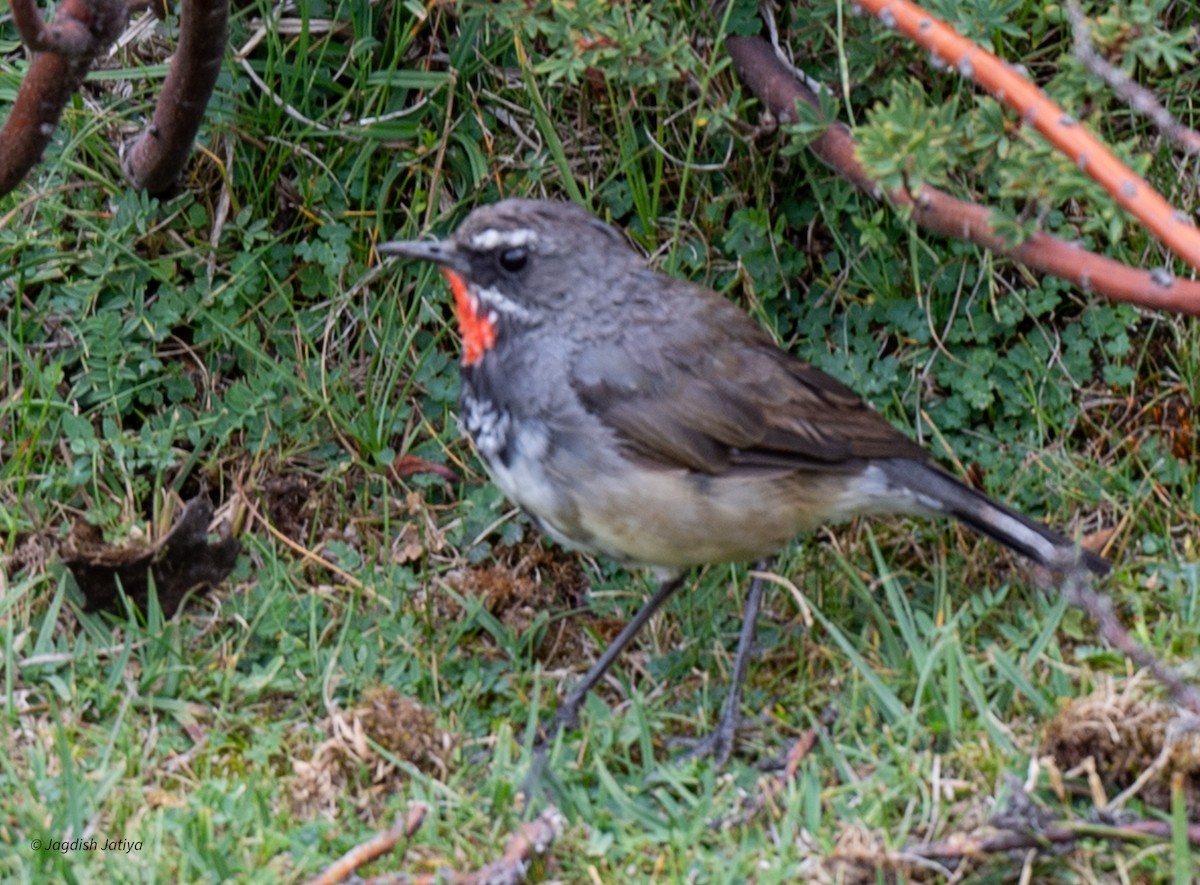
(518, 449)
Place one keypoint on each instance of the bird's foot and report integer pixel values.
(717, 745)
(566, 717)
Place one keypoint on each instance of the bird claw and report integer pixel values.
(717, 745)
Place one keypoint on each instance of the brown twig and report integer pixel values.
(777, 88)
(1059, 128)
(157, 156)
(532, 839)
(377, 846)
(1077, 587)
(64, 51)
(770, 786)
(1140, 98)
(964, 847)
(307, 554)
(1019, 824)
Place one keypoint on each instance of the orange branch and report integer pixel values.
(777, 87)
(1063, 131)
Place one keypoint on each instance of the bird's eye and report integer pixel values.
(514, 260)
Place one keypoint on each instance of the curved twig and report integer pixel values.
(64, 51)
(1077, 587)
(778, 89)
(1140, 99)
(348, 864)
(157, 156)
(1062, 130)
(532, 839)
(965, 847)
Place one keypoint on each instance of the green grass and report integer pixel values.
(239, 339)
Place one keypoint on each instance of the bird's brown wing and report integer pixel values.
(708, 390)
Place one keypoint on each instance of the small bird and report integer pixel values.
(646, 418)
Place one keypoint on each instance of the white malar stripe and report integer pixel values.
(489, 239)
(497, 301)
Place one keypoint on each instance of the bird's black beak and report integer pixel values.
(440, 252)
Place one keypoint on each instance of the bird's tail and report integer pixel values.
(942, 493)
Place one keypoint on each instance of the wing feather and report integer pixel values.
(708, 390)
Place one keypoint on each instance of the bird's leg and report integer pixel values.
(719, 742)
(567, 714)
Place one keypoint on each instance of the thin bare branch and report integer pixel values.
(1077, 587)
(64, 52)
(1140, 98)
(157, 156)
(965, 847)
(778, 89)
(1062, 130)
(377, 846)
(532, 839)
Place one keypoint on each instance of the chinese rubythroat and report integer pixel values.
(647, 418)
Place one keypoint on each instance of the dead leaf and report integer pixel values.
(411, 465)
(183, 561)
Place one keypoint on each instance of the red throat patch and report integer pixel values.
(478, 331)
